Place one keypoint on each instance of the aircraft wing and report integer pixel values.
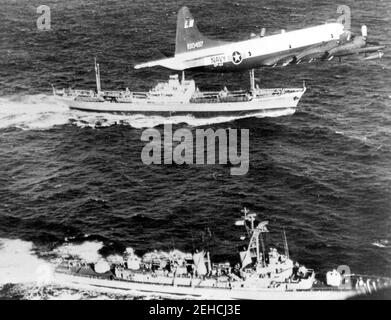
(280, 60)
(348, 51)
(347, 45)
(355, 45)
(316, 52)
(170, 63)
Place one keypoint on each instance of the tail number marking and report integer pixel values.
(195, 45)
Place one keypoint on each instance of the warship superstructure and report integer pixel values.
(263, 273)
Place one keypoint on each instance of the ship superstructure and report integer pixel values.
(181, 96)
(263, 273)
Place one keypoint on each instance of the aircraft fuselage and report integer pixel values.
(252, 53)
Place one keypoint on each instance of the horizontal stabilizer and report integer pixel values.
(170, 63)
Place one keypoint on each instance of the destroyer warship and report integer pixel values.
(182, 97)
(263, 273)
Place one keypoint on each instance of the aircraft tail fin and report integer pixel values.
(188, 37)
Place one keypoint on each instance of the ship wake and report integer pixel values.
(42, 112)
(25, 275)
(19, 264)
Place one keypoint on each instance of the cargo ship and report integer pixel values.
(181, 97)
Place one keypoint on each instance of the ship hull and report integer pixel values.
(130, 287)
(273, 106)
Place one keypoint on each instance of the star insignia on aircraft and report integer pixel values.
(236, 57)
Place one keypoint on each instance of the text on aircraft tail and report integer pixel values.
(188, 37)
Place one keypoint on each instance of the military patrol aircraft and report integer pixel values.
(324, 42)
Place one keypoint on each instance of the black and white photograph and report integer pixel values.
(172, 151)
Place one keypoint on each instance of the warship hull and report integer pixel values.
(194, 292)
(270, 106)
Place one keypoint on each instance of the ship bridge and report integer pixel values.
(174, 90)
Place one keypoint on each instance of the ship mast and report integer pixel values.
(252, 80)
(97, 76)
(286, 245)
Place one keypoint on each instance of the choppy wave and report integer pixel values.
(323, 173)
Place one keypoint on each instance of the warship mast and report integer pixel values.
(286, 245)
(255, 234)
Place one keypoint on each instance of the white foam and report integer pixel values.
(65, 295)
(87, 251)
(19, 264)
(43, 112)
(32, 112)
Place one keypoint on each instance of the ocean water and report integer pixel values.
(74, 183)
